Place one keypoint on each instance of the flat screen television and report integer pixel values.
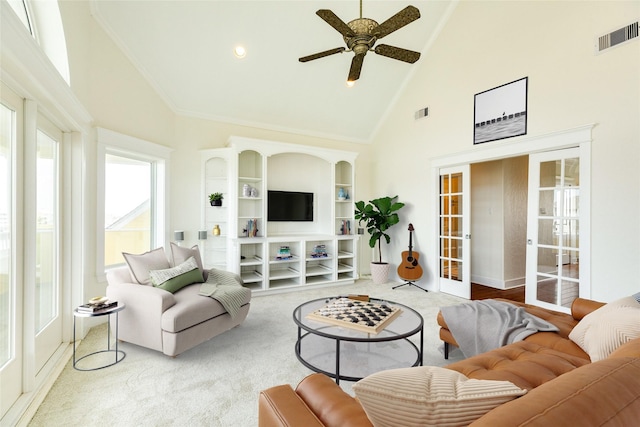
(289, 206)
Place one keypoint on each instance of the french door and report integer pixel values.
(454, 231)
(30, 246)
(553, 229)
(11, 295)
(44, 267)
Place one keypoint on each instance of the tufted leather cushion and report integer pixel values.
(525, 364)
(331, 405)
(603, 393)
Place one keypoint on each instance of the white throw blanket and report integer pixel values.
(227, 289)
(484, 325)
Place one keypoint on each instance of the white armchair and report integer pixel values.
(169, 322)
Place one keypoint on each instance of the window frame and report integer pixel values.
(110, 142)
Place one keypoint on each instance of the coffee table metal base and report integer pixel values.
(351, 361)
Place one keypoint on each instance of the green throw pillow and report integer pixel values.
(175, 278)
(175, 284)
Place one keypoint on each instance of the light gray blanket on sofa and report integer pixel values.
(484, 325)
(227, 289)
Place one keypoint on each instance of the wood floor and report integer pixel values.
(486, 292)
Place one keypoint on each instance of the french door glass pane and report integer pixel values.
(558, 231)
(456, 204)
(7, 134)
(47, 283)
(572, 172)
(546, 234)
(451, 226)
(127, 207)
(547, 289)
(549, 173)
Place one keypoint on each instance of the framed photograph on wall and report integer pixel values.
(500, 112)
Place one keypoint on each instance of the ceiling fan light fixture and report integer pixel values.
(240, 51)
(361, 34)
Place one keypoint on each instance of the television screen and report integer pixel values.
(289, 206)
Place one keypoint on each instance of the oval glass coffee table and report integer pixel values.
(349, 354)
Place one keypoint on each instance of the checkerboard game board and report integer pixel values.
(364, 316)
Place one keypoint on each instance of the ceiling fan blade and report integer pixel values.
(337, 23)
(356, 67)
(397, 53)
(397, 21)
(322, 54)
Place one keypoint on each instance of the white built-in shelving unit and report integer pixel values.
(249, 245)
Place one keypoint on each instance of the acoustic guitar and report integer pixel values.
(410, 269)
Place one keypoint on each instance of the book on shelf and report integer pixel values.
(93, 308)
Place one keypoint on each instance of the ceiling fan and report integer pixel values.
(361, 35)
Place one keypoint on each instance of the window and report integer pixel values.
(127, 207)
(131, 202)
(20, 8)
(47, 230)
(7, 316)
(43, 21)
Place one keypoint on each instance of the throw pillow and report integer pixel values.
(180, 255)
(175, 278)
(602, 331)
(140, 265)
(429, 396)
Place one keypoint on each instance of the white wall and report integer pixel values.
(487, 223)
(120, 99)
(499, 222)
(302, 172)
(515, 219)
(486, 44)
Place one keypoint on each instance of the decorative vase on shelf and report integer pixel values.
(216, 230)
(342, 195)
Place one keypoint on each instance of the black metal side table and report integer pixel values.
(116, 351)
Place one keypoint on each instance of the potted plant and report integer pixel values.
(216, 199)
(379, 215)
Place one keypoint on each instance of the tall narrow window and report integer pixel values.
(7, 314)
(20, 8)
(128, 207)
(47, 283)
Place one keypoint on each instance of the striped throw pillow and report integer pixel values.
(429, 396)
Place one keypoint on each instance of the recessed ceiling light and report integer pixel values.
(239, 51)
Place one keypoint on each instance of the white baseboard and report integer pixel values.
(498, 284)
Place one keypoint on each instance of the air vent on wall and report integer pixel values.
(617, 37)
(423, 112)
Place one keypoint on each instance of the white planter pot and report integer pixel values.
(380, 273)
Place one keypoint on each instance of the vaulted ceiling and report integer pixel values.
(185, 50)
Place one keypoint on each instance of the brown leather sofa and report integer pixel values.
(565, 388)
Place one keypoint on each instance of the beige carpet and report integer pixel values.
(216, 383)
